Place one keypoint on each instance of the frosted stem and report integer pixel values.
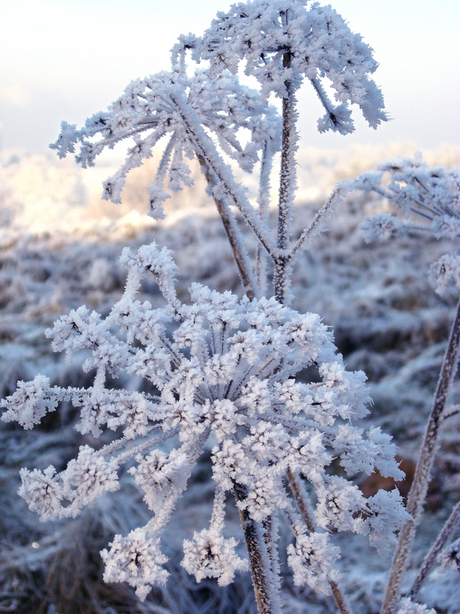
(451, 523)
(288, 186)
(224, 176)
(422, 472)
(307, 516)
(264, 203)
(324, 212)
(262, 580)
(271, 541)
(288, 171)
(235, 239)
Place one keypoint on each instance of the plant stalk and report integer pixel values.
(423, 469)
(451, 523)
(307, 517)
(235, 239)
(259, 560)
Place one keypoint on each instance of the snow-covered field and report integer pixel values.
(59, 248)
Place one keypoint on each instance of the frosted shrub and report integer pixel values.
(250, 379)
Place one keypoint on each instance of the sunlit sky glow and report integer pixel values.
(66, 59)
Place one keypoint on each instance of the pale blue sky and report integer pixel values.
(66, 59)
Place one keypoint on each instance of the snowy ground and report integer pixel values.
(59, 248)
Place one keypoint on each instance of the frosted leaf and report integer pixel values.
(161, 476)
(66, 141)
(358, 454)
(225, 419)
(159, 262)
(409, 607)
(43, 493)
(387, 517)
(337, 119)
(312, 560)
(445, 270)
(382, 227)
(229, 464)
(136, 559)
(87, 477)
(340, 506)
(309, 456)
(210, 555)
(31, 402)
(449, 558)
(264, 496)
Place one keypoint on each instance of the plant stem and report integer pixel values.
(225, 181)
(288, 186)
(422, 472)
(287, 171)
(446, 532)
(262, 580)
(235, 239)
(307, 516)
(264, 203)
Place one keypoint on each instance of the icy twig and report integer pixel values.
(422, 472)
(307, 517)
(449, 526)
(262, 577)
(235, 239)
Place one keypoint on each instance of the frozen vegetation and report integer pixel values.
(204, 407)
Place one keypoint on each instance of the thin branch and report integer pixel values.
(422, 472)
(262, 580)
(451, 523)
(264, 203)
(307, 517)
(235, 239)
(206, 149)
(313, 230)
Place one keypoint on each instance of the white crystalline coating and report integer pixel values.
(445, 270)
(290, 40)
(228, 370)
(160, 475)
(449, 558)
(60, 495)
(136, 559)
(428, 198)
(43, 492)
(409, 607)
(31, 402)
(312, 559)
(210, 555)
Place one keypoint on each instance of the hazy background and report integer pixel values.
(66, 59)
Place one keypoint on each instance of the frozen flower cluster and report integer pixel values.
(284, 42)
(154, 105)
(260, 382)
(418, 191)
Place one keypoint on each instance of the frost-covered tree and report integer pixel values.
(259, 384)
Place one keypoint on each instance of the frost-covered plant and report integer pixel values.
(254, 380)
(225, 371)
(433, 194)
